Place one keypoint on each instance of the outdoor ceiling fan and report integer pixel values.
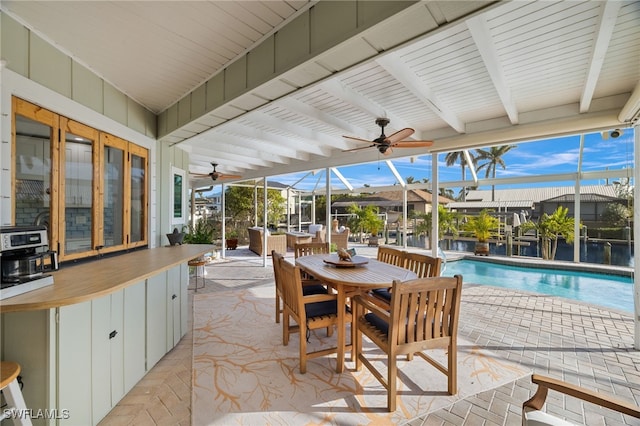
(215, 175)
(385, 143)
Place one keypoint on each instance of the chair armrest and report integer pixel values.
(312, 298)
(545, 383)
(369, 303)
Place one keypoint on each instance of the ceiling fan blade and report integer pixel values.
(359, 148)
(412, 144)
(399, 135)
(200, 174)
(225, 176)
(356, 139)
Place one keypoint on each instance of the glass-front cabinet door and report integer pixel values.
(124, 194)
(36, 133)
(78, 176)
(114, 165)
(89, 188)
(138, 195)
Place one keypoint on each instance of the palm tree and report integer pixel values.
(411, 179)
(447, 192)
(492, 158)
(458, 156)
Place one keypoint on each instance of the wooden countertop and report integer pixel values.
(93, 279)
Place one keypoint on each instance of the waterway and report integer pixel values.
(591, 252)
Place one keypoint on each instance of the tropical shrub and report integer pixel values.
(483, 226)
(200, 233)
(550, 227)
(365, 219)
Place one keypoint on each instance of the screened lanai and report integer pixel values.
(270, 89)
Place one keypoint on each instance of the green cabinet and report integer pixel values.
(117, 347)
(156, 314)
(166, 311)
(83, 358)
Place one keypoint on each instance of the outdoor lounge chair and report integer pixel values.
(532, 414)
(424, 315)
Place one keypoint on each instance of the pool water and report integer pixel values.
(612, 291)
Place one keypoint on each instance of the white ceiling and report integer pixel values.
(473, 74)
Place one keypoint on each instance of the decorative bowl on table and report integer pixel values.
(355, 261)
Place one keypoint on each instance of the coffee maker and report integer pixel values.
(25, 260)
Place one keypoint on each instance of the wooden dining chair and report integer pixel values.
(305, 249)
(423, 265)
(277, 277)
(309, 312)
(424, 315)
(308, 286)
(390, 255)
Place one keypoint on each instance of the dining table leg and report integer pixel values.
(342, 301)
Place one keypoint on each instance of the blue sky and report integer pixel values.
(540, 157)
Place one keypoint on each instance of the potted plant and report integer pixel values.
(232, 239)
(199, 233)
(372, 223)
(482, 227)
(373, 236)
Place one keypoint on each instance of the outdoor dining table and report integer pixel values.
(348, 281)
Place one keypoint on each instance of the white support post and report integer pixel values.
(299, 212)
(264, 224)
(327, 227)
(223, 250)
(255, 204)
(192, 216)
(434, 205)
(576, 206)
(636, 235)
(404, 217)
(289, 209)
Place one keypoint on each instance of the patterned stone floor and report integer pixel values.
(582, 344)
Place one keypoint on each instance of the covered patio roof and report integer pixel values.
(270, 88)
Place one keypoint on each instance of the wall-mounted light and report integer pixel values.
(616, 133)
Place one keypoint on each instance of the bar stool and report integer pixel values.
(16, 408)
(198, 263)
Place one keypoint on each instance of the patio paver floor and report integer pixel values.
(580, 343)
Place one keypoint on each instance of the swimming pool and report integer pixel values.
(612, 291)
